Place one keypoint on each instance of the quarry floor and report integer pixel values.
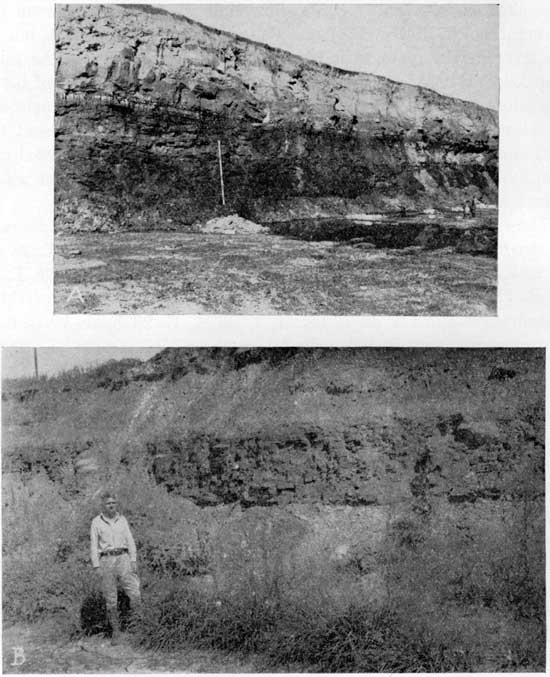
(182, 273)
(45, 651)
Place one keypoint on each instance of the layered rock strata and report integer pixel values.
(263, 427)
(144, 96)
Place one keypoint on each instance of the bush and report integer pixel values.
(47, 568)
(450, 595)
(44, 570)
(301, 636)
(435, 616)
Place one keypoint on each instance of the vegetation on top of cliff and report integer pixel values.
(76, 378)
(168, 363)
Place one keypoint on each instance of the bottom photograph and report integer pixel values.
(273, 510)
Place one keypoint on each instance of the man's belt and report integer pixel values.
(114, 553)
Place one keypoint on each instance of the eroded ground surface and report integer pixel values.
(40, 649)
(170, 273)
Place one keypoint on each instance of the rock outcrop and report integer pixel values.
(268, 427)
(285, 461)
(143, 96)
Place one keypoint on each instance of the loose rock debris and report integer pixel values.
(231, 225)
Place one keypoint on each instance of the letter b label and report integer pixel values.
(18, 655)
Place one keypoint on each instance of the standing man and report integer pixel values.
(113, 554)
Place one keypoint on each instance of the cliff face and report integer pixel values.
(271, 427)
(288, 459)
(143, 96)
(310, 479)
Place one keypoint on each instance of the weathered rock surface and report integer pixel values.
(265, 427)
(143, 96)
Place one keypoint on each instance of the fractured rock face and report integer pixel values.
(275, 427)
(143, 96)
(151, 53)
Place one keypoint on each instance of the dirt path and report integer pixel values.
(181, 273)
(40, 649)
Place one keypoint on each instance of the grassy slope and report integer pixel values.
(381, 382)
(481, 605)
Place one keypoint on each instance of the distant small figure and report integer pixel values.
(465, 209)
(473, 207)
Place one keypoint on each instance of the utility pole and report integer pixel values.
(221, 171)
(35, 351)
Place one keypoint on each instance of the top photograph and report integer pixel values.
(276, 159)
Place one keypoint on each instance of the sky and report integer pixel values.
(18, 362)
(453, 49)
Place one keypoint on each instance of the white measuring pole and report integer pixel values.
(221, 171)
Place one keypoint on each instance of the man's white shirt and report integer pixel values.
(110, 534)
